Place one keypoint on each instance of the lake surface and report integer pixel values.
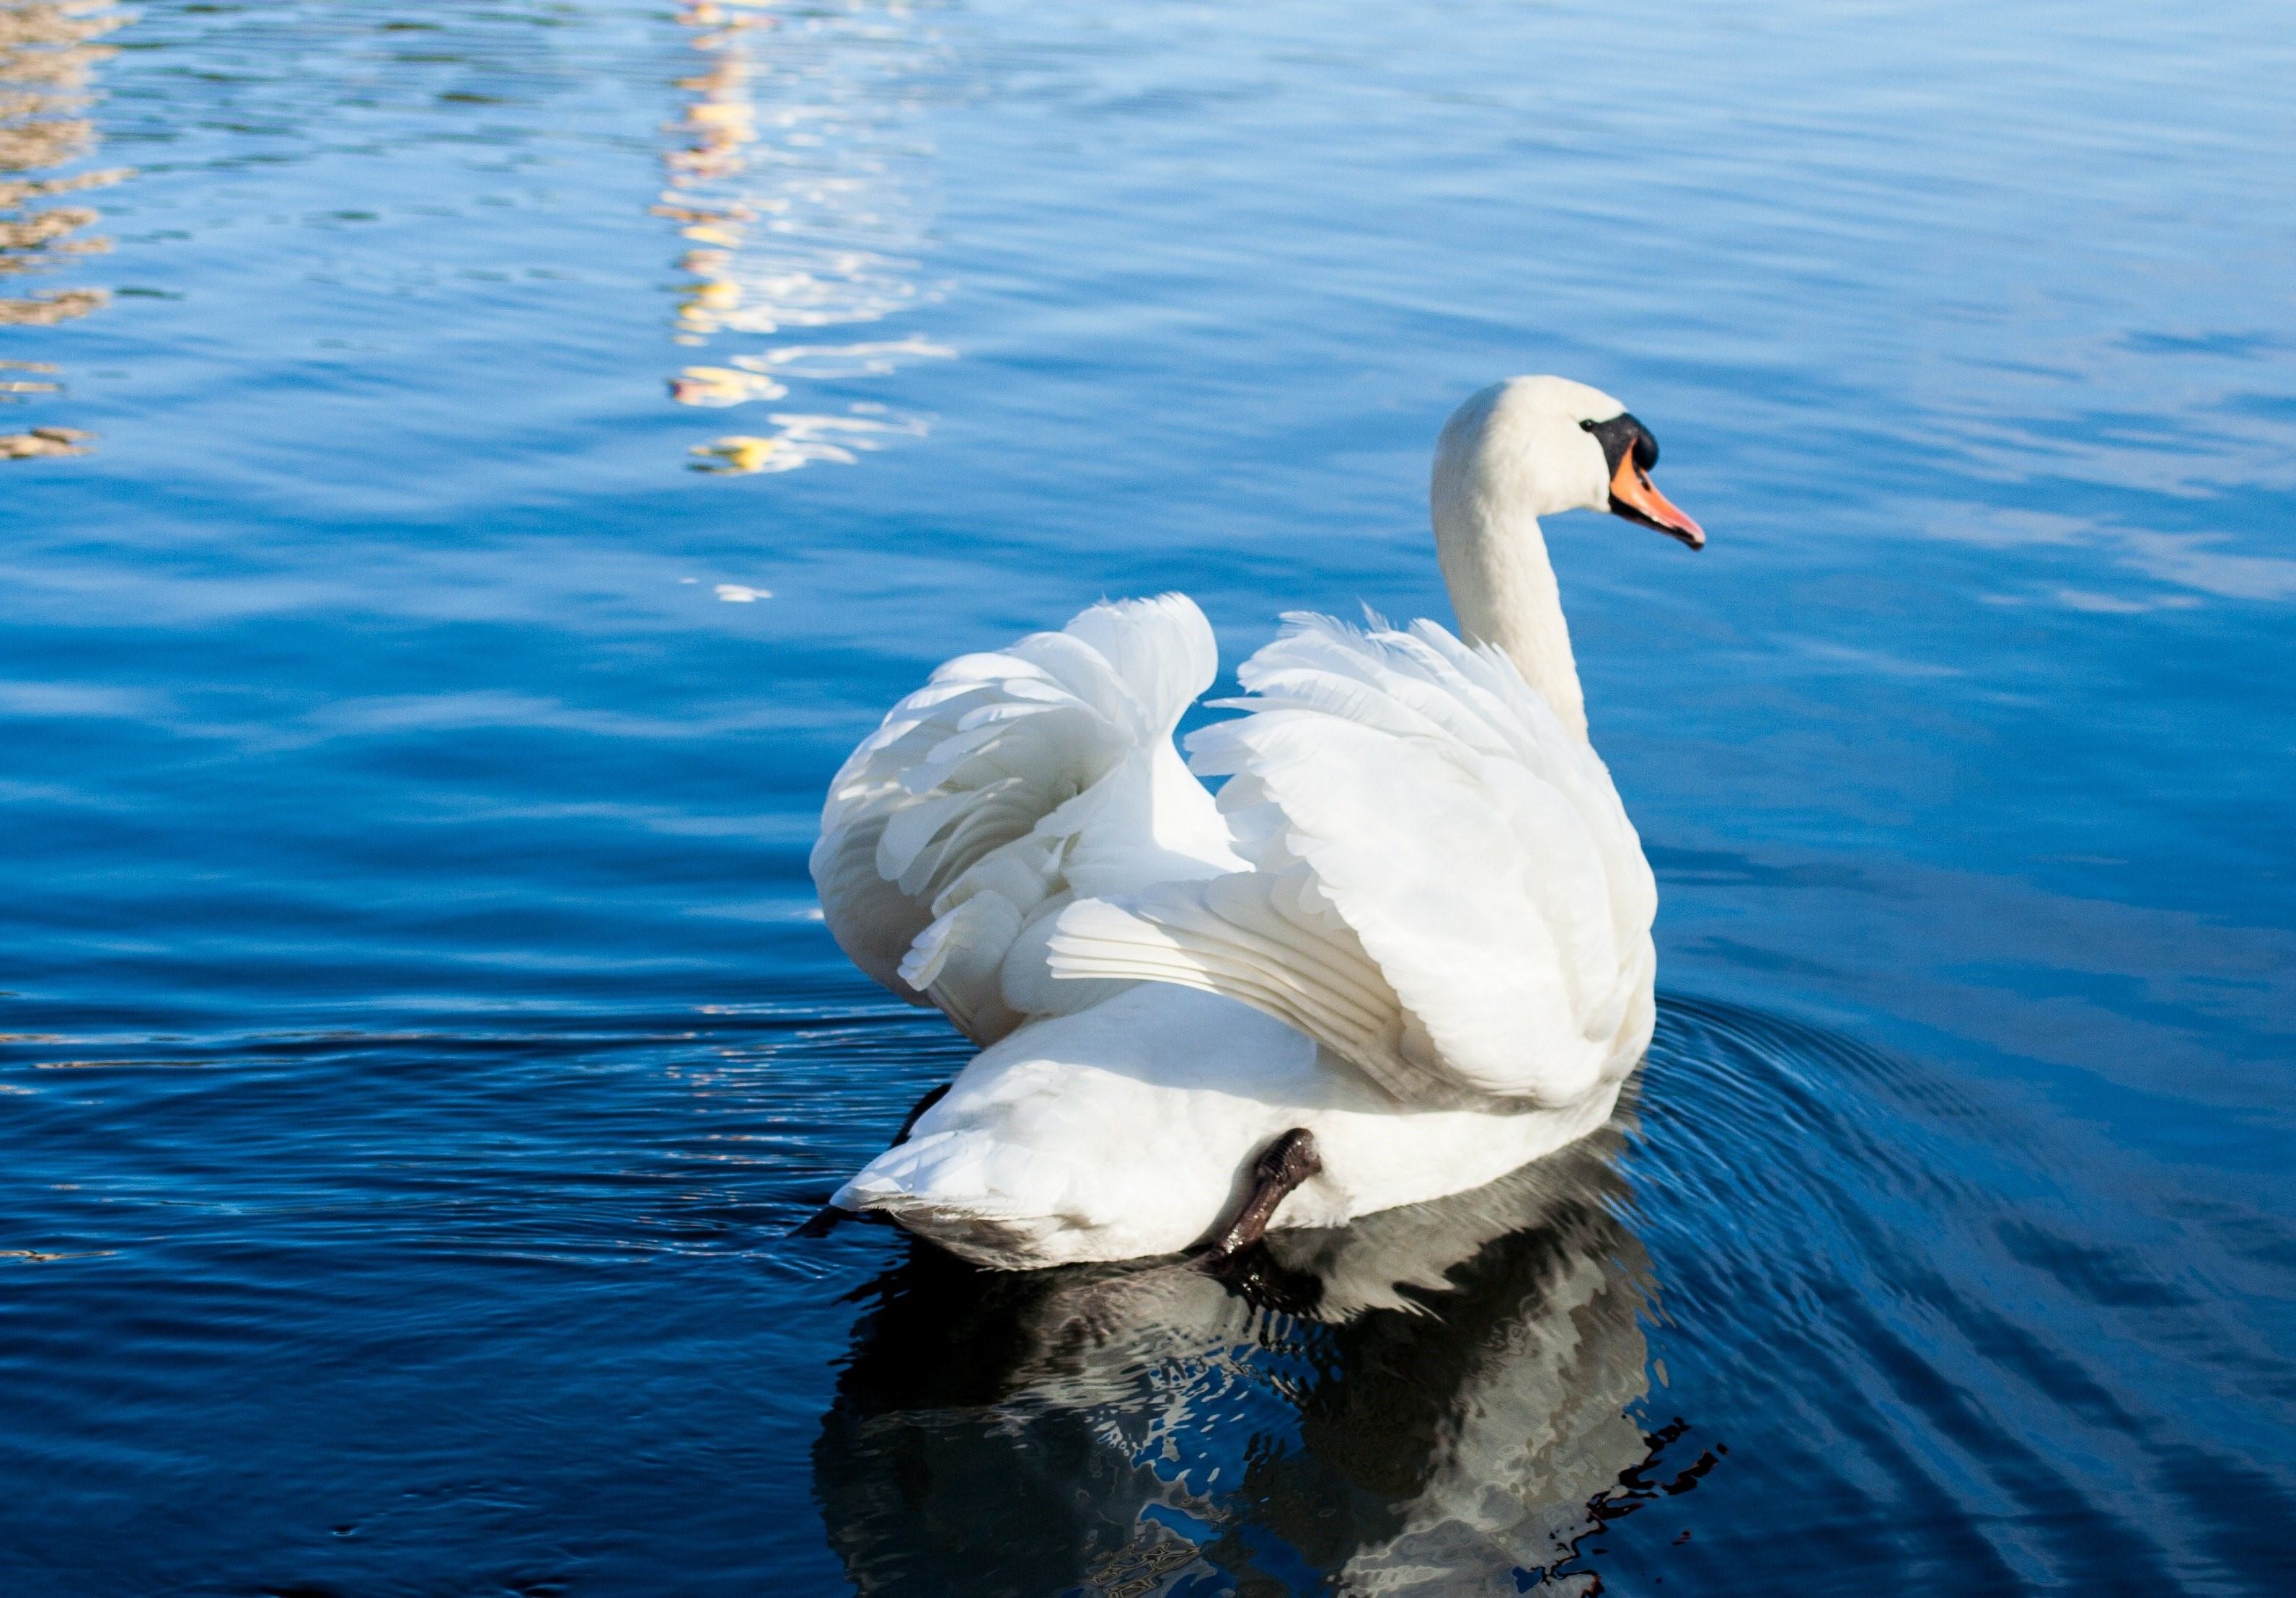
(525, 445)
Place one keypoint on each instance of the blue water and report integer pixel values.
(419, 1031)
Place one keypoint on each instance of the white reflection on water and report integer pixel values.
(796, 177)
(2191, 566)
(48, 61)
(799, 440)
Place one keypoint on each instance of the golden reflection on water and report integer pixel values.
(47, 61)
(792, 178)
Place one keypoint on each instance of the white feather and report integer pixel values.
(1445, 890)
(1007, 781)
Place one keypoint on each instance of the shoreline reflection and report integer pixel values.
(48, 61)
(1437, 1399)
(791, 181)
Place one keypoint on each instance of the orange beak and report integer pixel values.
(1635, 497)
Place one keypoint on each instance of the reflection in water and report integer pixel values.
(47, 57)
(789, 183)
(1433, 1400)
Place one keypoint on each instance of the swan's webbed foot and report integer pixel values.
(1258, 1277)
(821, 1223)
(1282, 1166)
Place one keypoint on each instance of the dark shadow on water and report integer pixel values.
(1437, 1399)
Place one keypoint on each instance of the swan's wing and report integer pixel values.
(1009, 783)
(1446, 889)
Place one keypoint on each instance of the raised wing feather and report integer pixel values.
(1444, 889)
(1007, 784)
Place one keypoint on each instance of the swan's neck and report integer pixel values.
(1502, 592)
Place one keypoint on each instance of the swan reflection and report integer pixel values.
(792, 180)
(48, 55)
(1427, 1401)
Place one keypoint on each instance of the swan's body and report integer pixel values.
(1414, 924)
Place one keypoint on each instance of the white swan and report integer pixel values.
(1406, 949)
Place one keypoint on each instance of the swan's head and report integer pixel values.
(1539, 445)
